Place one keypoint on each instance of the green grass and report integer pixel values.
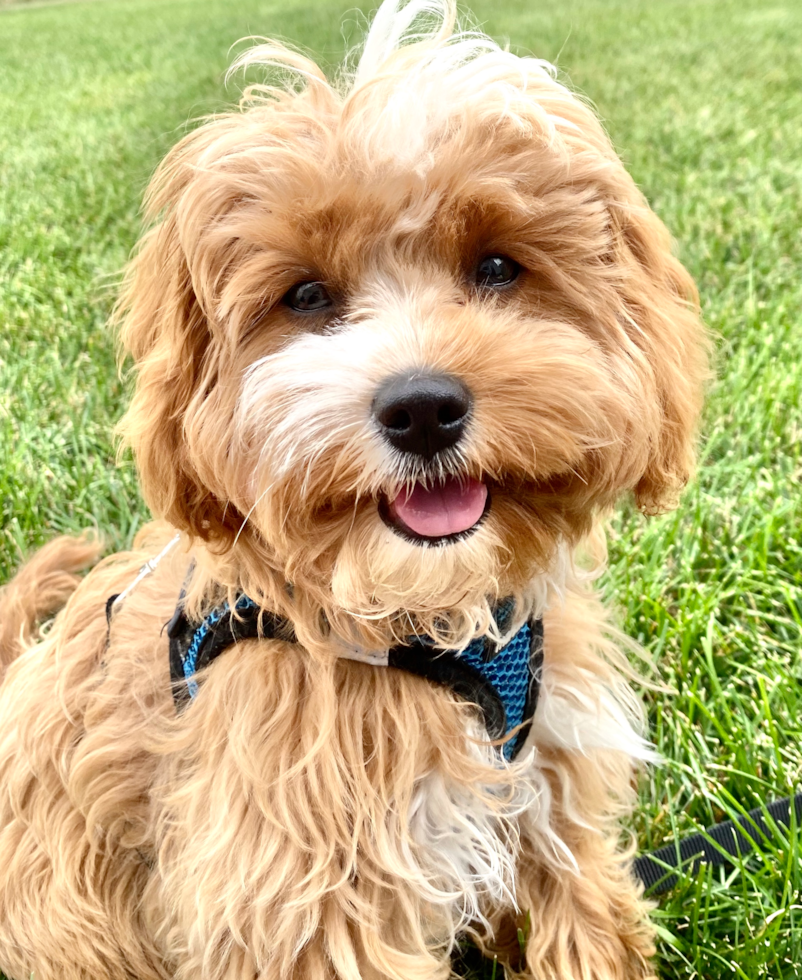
(704, 101)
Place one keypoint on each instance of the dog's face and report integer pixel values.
(398, 346)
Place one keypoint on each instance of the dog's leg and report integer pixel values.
(584, 924)
(582, 912)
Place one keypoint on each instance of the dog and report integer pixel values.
(401, 341)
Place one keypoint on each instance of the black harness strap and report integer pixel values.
(470, 684)
(504, 683)
(194, 646)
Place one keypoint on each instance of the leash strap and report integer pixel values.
(716, 846)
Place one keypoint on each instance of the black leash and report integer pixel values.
(733, 838)
(716, 846)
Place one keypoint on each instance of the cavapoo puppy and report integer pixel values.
(400, 341)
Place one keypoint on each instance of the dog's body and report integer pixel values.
(397, 351)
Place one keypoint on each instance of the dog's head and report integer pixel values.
(398, 339)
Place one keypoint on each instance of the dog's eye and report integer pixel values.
(308, 297)
(496, 270)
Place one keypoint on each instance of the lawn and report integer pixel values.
(704, 101)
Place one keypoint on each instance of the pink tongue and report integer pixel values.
(446, 508)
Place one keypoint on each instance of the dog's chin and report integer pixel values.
(398, 558)
(437, 513)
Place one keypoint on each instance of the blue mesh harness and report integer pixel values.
(504, 682)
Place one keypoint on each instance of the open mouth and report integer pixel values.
(445, 510)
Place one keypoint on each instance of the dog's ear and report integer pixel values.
(165, 329)
(659, 311)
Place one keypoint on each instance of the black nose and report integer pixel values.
(422, 413)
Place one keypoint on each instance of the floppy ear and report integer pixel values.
(643, 295)
(660, 309)
(164, 327)
(169, 307)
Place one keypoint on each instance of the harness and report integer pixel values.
(504, 680)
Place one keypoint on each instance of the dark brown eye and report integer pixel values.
(496, 270)
(308, 297)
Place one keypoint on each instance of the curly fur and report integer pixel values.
(308, 816)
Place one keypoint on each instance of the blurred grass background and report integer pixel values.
(704, 102)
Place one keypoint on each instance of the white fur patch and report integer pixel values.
(568, 717)
(441, 82)
(470, 845)
(470, 842)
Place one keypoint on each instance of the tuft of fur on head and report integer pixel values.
(251, 424)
